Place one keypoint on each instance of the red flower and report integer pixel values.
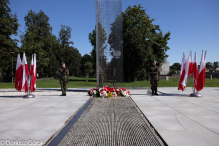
(89, 92)
(106, 88)
(122, 89)
(113, 89)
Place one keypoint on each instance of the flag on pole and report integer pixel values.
(190, 66)
(182, 73)
(195, 72)
(188, 70)
(18, 74)
(31, 74)
(33, 86)
(201, 77)
(25, 74)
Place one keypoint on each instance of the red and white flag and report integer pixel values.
(190, 66)
(18, 74)
(201, 77)
(188, 70)
(182, 73)
(195, 72)
(31, 74)
(25, 74)
(33, 83)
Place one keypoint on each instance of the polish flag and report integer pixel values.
(18, 74)
(33, 83)
(195, 72)
(182, 73)
(201, 77)
(187, 70)
(25, 74)
(190, 67)
(31, 74)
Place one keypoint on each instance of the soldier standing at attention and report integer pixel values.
(154, 75)
(63, 73)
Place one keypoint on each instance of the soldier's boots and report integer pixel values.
(156, 92)
(152, 92)
(63, 94)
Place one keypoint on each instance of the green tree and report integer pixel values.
(67, 53)
(64, 39)
(215, 63)
(38, 39)
(92, 40)
(84, 59)
(175, 67)
(208, 65)
(142, 43)
(8, 27)
(73, 58)
(88, 69)
(102, 43)
(65, 35)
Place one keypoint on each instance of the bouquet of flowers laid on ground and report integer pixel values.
(107, 92)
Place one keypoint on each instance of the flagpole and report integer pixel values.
(195, 94)
(30, 78)
(29, 95)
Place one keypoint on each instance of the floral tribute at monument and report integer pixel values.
(107, 92)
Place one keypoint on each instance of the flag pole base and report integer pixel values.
(29, 96)
(195, 95)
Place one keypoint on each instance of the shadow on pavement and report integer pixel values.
(69, 90)
(173, 94)
(11, 96)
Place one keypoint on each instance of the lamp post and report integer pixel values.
(12, 66)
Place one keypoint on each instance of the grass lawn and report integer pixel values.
(79, 82)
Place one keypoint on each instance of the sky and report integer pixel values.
(193, 24)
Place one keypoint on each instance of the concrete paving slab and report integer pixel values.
(180, 119)
(36, 118)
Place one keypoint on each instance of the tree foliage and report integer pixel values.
(102, 41)
(208, 65)
(8, 27)
(175, 68)
(88, 69)
(50, 50)
(142, 43)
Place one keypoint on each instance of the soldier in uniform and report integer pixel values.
(101, 77)
(63, 73)
(154, 76)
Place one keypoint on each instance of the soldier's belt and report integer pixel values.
(153, 73)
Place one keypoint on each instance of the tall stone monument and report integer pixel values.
(109, 43)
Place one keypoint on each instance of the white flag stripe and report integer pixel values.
(187, 70)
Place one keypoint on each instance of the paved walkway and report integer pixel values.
(34, 121)
(182, 120)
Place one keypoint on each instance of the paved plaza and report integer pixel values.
(179, 119)
(182, 120)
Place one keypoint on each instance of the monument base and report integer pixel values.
(29, 96)
(195, 95)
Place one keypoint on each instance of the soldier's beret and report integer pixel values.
(153, 61)
(63, 62)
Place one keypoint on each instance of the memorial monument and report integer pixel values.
(109, 43)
